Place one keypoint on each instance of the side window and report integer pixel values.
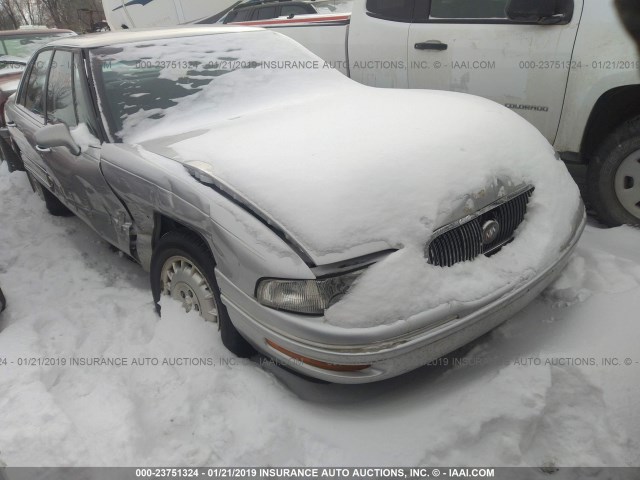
(231, 17)
(400, 10)
(265, 13)
(82, 98)
(463, 9)
(243, 15)
(34, 93)
(293, 10)
(60, 104)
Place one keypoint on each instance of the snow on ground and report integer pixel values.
(71, 296)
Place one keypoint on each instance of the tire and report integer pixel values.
(3, 301)
(183, 246)
(54, 206)
(13, 160)
(613, 178)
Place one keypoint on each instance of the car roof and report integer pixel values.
(33, 31)
(94, 40)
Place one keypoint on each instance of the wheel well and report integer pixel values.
(612, 109)
(164, 225)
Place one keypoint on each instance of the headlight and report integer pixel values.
(311, 297)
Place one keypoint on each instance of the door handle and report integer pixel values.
(11, 124)
(42, 149)
(431, 45)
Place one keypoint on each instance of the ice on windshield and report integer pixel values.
(194, 80)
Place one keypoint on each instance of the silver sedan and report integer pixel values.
(348, 232)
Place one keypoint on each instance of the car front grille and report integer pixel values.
(483, 234)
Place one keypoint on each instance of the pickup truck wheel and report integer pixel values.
(614, 177)
(54, 206)
(182, 267)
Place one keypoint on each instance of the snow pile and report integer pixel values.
(594, 270)
(71, 296)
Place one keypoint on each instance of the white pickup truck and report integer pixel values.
(567, 66)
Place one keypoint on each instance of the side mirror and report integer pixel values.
(57, 135)
(544, 12)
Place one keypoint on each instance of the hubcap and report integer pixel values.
(627, 184)
(184, 282)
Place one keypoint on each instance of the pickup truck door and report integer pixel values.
(377, 45)
(78, 179)
(471, 46)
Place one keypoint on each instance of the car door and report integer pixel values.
(79, 177)
(27, 116)
(57, 92)
(471, 46)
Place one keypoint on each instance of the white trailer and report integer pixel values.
(124, 14)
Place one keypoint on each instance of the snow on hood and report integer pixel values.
(385, 168)
(347, 170)
(367, 166)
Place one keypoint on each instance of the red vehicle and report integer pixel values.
(16, 47)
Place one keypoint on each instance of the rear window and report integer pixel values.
(22, 46)
(265, 13)
(294, 10)
(242, 15)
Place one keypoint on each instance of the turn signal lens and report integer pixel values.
(311, 297)
(317, 363)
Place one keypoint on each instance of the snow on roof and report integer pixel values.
(140, 35)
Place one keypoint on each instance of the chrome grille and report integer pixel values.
(460, 242)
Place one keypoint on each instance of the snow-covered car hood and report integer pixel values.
(344, 170)
(369, 169)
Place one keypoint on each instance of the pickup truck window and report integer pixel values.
(294, 10)
(398, 10)
(60, 104)
(265, 12)
(468, 9)
(238, 15)
(34, 94)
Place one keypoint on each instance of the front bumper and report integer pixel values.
(390, 350)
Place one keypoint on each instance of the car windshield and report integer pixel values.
(149, 89)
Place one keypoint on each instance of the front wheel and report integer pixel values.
(182, 267)
(614, 177)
